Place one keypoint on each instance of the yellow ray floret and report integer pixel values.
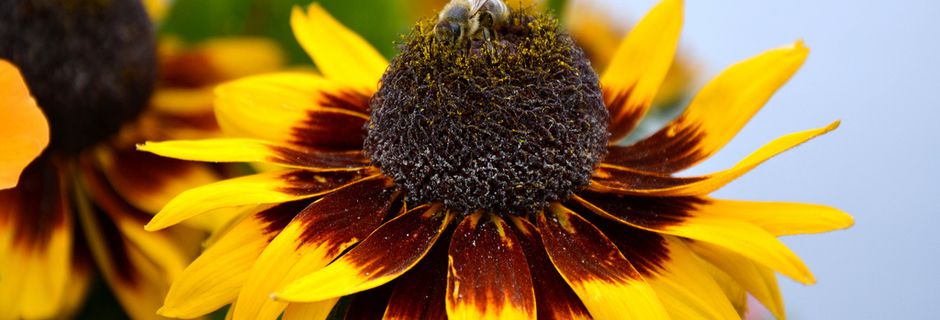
(686, 289)
(274, 106)
(215, 277)
(339, 53)
(703, 185)
(262, 188)
(781, 218)
(760, 281)
(376, 261)
(640, 64)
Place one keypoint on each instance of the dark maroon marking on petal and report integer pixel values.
(369, 304)
(82, 259)
(348, 213)
(302, 182)
(630, 181)
(647, 251)
(37, 206)
(143, 172)
(669, 150)
(398, 244)
(347, 100)
(117, 248)
(329, 129)
(554, 298)
(621, 125)
(648, 212)
(204, 121)
(420, 292)
(319, 159)
(487, 266)
(580, 251)
(188, 70)
(106, 196)
(278, 217)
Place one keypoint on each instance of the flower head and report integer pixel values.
(469, 182)
(79, 206)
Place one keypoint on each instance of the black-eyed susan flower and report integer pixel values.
(79, 208)
(463, 182)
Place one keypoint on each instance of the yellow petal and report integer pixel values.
(781, 218)
(637, 70)
(736, 235)
(309, 311)
(339, 53)
(262, 188)
(757, 279)
(686, 288)
(243, 56)
(386, 254)
(608, 285)
(36, 234)
(138, 274)
(316, 236)
(679, 278)
(24, 132)
(622, 180)
(251, 150)
(215, 277)
(715, 115)
(132, 175)
(294, 108)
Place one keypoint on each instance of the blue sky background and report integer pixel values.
(876, 66)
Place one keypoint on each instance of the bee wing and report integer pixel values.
(476, 5)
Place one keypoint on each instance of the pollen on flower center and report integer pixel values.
(507, 130)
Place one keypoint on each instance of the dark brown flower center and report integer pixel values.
(91, 64)
(507, 130)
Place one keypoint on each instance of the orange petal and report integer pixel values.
(24, 132)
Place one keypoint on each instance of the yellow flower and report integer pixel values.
(79, 208)
(385, 194)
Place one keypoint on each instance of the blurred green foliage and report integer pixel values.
(378, 21)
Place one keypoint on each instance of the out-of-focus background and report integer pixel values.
(874, 65)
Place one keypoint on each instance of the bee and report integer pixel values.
(462, 21)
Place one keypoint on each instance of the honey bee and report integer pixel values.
(462, 21)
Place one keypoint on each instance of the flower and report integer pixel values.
(79, 208)
(447, 207)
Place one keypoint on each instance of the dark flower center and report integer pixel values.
(91, 64)
(508, 130)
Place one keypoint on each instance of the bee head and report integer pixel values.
(448, 31)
